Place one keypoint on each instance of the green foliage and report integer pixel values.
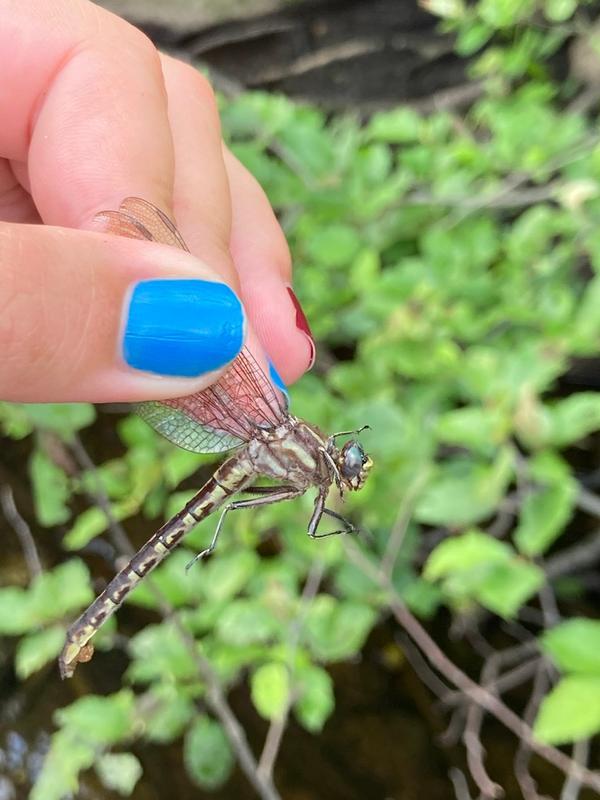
(574, 646)
(571, 711)
(475, 566)
(450, 268)
(207, 754)
(270, 687)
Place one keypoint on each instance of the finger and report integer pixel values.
(202, 205)
(262, 258)
(102, 318)
(15, 202)
(203, 179)
(82, 102)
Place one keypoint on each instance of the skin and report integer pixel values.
(92, 113)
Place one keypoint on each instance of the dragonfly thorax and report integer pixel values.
(291, 452)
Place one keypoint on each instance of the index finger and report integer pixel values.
(83, 104)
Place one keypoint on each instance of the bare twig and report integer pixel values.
(476, 754)
(572, 786)
(459, 782)
(472, 690)
(526, 782)
(588, 501)
(575, 558)
(116, 531)
(398, 532)
(276, 730)
(21, 528)
(423, 670)
(453, 733)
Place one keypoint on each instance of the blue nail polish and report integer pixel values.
(277, 380)
(182, 327)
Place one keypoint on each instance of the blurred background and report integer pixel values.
(436, 169)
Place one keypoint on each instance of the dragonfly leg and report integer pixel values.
(347, 433)
(318, 512)
(276, 495)
(316, 518)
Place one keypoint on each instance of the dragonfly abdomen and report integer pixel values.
(232, 476)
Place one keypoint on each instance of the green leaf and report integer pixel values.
(399, 126)
(465, 552)
(225, 576)
(245, 622)
(475, 427)
(51, 490)
(472, 37)
(89, 524)
(160, 653)
(65, 419)
(60, 591)
(166, 712)
(36, 649)
(573, 418)
(207, 754)
(574, 645)
(559, 10)
(102, 720)
(571, 711)
(270, 689)
(333, 245)
(478, 567)
(51, 596)
(508, 586)
(119, 772)
(336, 630)
(14, 421)
(463, 492)
(316, 701)
(67, 757)
(16, 613)
(544, 515)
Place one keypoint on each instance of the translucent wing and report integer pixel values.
(229, 412)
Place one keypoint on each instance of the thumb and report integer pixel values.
(98, 318)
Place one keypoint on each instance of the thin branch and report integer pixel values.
(21, 528)
(423, 670)
(588, 501)
(523, 755)
(116, 531)
(459, 783)
(476, 753)
(575, 558)
(472, 690)
(398, 532)
(276, 730)
(572, 786)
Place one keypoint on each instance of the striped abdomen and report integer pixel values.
(231, 477)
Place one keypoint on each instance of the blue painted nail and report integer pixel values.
(182, 327)
(277, 380)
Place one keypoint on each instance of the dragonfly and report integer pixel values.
(243, 413)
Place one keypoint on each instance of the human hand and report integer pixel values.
(91, 114)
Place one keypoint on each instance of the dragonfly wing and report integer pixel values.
(185, 431)
(226, 414)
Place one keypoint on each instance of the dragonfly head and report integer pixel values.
(353, 465)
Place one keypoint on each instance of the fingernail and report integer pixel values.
(302, 325)
(277, 380)
(182, 327)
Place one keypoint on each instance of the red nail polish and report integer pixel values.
(302, 325)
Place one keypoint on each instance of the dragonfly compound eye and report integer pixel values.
(353, 465)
